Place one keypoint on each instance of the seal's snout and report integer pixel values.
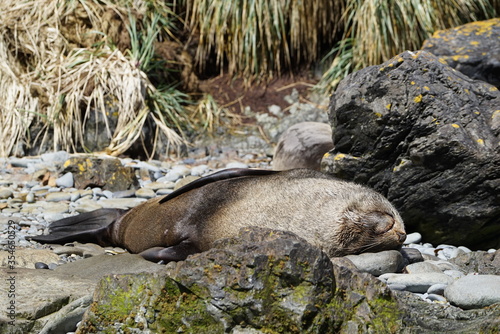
(401, 236)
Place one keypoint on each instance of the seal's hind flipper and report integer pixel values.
(85, 227)
(177, 252)
(218, 176)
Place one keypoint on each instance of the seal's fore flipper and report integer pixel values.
(85, 227)
(218, 176)
(173, 253)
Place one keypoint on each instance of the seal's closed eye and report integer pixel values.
(379, 222)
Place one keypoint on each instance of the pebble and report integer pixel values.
(65, 181)
(474, 291)
(378, 263)
(58, 197)
(413, 238)
(145, 193)
(6, 193)
(417, 282)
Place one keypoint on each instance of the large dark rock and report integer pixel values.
(265, 280)
(427, 137)
(473, 49)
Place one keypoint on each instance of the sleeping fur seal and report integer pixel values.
(339, 217)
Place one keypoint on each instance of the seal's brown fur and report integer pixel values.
(339, 217)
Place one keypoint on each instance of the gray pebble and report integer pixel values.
(30, 197)
(435, 298)
(456, 274)
(378, 263)
(413, 238)
(199, 170)
(120, 203)
(57, 197)
(437, 289)
(145, 193)
(41, 265)
(53, 266)
(397, 287)
(474, 291)
(65, 181)
(422, 267)
(55, 157)
(417, 282)
(6, 193)
(236, 164)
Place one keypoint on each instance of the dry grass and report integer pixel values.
(58, 65)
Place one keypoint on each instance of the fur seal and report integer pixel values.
(339, 217)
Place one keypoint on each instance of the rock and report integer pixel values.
(378, 263)
(417, 282)
(437, 289)
(6, 193)
(58, 197)
(474, 291)
(85, 250)
(426, 136)
(422, 267)
(120, 203)
(472, 49)
(96, 267)
(479, 262)
(65, 181)
(413, 238)
(53, 291)
(302, 146)
(145, 193)
(411, 255)
(262, 280)
(27, 258)
(66, 319)
(185, 180)
(107, 173)
(236, 164)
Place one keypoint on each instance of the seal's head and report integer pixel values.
(370, 224)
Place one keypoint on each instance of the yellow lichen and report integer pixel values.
(339, 156)
(426, 88)
(480, 141)
(388, 106)
(418, 98)
(456, 126)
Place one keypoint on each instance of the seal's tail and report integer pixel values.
(85, 227)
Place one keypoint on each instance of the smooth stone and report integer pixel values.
(86, 205)
(6, 193)
(417, 282)
(422, 267)
(437, 289)
(464, 249)
(378, 263)
(107, 193)
(97, 266)
(51, 217)
(41, 265)
(120, 203)
(84, 250)
(411, 255)
(444, 265)
(159, 185)
(145, 193)
(28, 257)
(75, 195)
(474, 291)
(65, 181)
(199, 170)
(236, 164)
(58, 197)
(162, 192)
(413, 238)
(456, 274)
(435, 298)
(67, 317)
(30, 197)
(124, 193)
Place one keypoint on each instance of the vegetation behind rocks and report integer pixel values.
(88, 75)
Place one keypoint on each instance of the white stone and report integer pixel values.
(474, 291)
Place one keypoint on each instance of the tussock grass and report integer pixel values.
(59, 64)
(377, 30)
(260, 37)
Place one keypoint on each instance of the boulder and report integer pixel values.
(302, 146)
(427, 137)
(473, 49)
(106, 173)
(264, 280)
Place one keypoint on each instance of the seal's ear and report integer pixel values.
(379, 222)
